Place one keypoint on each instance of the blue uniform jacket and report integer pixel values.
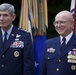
(55, 62)
(17, 58)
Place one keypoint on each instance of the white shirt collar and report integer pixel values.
(67, 37)
(9, 32)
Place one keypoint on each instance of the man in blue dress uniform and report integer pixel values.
(16, 49)
(57, 60)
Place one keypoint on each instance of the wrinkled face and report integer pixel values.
(6, 19)
(63, 24)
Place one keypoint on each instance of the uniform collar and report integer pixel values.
(8, 32)
(67, 37)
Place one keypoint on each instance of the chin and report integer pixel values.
(3, 26)
(60, 33)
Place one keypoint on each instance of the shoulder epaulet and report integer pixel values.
(20, 29)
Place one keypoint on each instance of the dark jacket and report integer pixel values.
(55, 62)
(17, 58)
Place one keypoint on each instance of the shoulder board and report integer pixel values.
(20, 29)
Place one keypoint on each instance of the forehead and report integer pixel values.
(4, 12)
(64, 16)
(60, 18)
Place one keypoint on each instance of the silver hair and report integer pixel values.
(7, 7)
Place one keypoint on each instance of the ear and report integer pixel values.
(72, 23)
(13, 17)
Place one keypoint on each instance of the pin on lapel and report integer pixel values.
(51, 50)
(12, 34)
(17, 36)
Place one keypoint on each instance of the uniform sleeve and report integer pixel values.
(28, 56)
(43, 69)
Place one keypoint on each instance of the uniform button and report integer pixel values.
(48, 58)
(59, 60)
(2, 65)
(2, 56)
(57, 69)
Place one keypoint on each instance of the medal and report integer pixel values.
(73, 67)
(16, 54)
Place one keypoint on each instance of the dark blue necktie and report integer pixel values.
(5, 39)
(63, 44)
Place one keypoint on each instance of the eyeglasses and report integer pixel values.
(60, 22)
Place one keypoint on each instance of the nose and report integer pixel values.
(1, 17)
(59, 24)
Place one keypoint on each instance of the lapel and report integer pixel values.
(57, 45)
(11, 39)
(70, 45)
(1, 46)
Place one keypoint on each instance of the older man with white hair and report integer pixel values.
(59, 57)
